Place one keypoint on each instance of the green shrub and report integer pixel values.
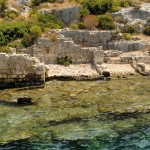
(125, 3)
(81, 25)
(84, 11)
(147, 30)
(12, 14)
(3, 6)
(10, 32)
(27, 40)
(106, 22)
(5, 49)
(127, 36)
(49, 21)
(35, 31)
(98, 7)
(130, 29)
(64, 61)
(15, 44)
(74, 26)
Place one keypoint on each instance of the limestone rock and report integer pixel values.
(131, 13)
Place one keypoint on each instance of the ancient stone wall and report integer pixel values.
(128, 60)
(89, 38)
(48, 50)
(110, 40)
(20, 70)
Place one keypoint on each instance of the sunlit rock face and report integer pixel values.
(22, 2)
(68, 15)
(131, 13)
(20, 68)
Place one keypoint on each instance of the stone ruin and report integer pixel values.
(19, 70)
(80, 46)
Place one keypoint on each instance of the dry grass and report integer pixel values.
(66, 4)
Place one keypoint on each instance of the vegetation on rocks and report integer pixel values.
(147, 30)
(106, 22)
(127, 36)
(3, 7)
(5, 49)
(65, 61)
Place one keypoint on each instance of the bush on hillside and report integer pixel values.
(91, 21)
(5, 49)
(81, 25)
(127, 36)
(27, 40)
(98, 7)
(15, 44)
(3, 7)
(131, 28)
(106, 22)
(11, 14)
(10, 32)
(35, 31)
(49, 21)
(74, 26)
(125, 3)
(147, 30)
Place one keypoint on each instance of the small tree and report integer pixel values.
(35, 31)
(91, 21)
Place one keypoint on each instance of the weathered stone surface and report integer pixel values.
(108, 39)
(126, 46)
(48, 51)
(112, 53)
(68, 15)
(130, 14)
(22, 2)
(89, 38)
(18, 67)
(98, 56)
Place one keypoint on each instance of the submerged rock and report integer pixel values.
(24, 100)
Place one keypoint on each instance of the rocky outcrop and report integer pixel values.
(20, 69)
(131, 13)
(68, 15)
(22, 2)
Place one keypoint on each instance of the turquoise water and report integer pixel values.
(70, 115)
